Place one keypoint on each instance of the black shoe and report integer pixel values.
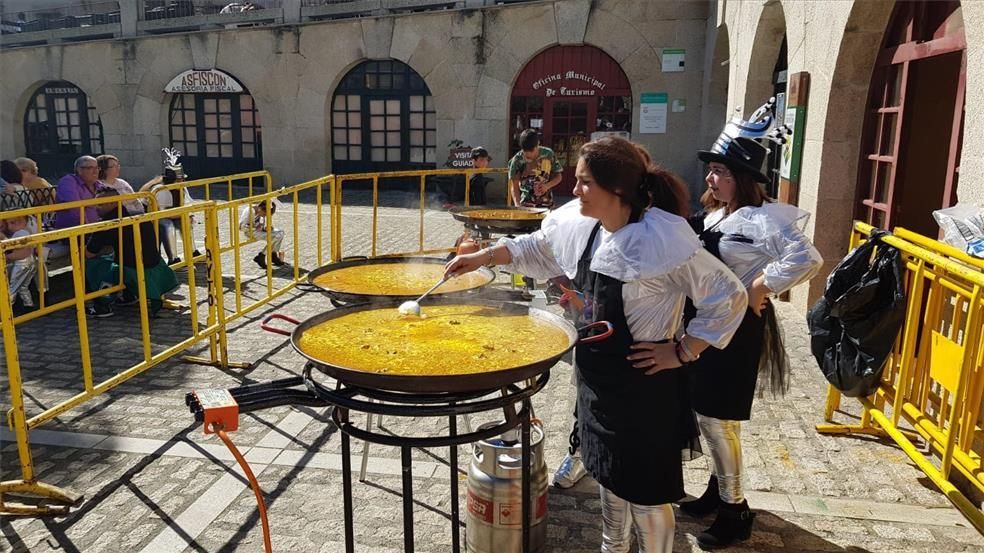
(100, 311)
(196, 253)
(260, 260)
(174, 261)
(126, 300)
(278, 261)
(706, 503)
(733, 523)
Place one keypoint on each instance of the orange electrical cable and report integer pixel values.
(252, 483)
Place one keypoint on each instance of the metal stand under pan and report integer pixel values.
(347, 399)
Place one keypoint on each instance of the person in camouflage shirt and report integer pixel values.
(533, 171)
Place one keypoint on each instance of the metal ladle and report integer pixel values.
(413, 307)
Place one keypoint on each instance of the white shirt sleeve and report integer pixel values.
(531, 256)
(718, 295)
(795, 260)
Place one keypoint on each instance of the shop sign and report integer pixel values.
(61, 90)
(203, 81)
(460, 158)
(569, 83)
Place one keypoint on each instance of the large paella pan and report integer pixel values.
(458, 346)
(500, 220)
(392, 278)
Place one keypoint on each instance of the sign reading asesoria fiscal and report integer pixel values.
(203, 81)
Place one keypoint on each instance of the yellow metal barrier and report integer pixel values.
(340, 180)
(38, 213)
(227, 180)
(934, 377)
(219, 312)
(17, 417)
(234, 247)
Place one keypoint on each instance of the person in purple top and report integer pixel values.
(81, 185)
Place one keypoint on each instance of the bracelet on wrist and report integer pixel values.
(679, 355)
(689, 354)
(491, 261)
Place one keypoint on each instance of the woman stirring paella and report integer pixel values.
(634, 259)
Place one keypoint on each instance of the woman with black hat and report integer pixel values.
(633, 260)
(760, 240)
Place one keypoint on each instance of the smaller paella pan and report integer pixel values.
(500, 220)
(392, 278)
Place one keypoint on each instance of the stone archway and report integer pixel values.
(719, 73)
(770, 33)
(836, 179)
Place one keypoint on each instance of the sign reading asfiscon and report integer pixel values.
(203, 81)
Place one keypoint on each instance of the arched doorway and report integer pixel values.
(780, 76)
(767, 76)
(569, 93)
(214, 123)
(60, 125)
(910, 152)
(383, 119)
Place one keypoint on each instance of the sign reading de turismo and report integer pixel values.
(203, 81)
(568, 83)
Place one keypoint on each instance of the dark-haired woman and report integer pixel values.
(629, 252)
(761, 242)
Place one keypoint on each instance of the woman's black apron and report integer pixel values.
(633, 428)
(722, 381)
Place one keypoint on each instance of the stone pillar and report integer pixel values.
(129, 15)
(292, 11)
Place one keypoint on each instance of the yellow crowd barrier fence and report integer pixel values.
(44, 249)
(380, 179)
(933, 381)
(17, 418)
(211, 306)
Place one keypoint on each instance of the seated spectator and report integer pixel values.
(253, 223)
(167, 199)
(29, 174)
(109, 175)
(32, 182)
(102, 271)
(21, 264)
(12, 188)
(80, 185)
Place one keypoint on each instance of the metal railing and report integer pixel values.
(69, 16)
(170, 9)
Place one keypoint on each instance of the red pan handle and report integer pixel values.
(265, 325)
(609, 330)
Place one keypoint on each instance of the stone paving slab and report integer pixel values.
(145, 467)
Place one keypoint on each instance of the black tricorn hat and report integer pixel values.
(738, 147)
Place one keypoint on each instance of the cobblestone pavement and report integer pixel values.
(154, 483)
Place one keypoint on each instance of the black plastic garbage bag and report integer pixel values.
(854, 325)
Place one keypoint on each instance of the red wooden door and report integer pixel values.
(569, 123)
(913, 129)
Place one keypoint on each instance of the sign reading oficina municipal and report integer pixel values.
(203, 81)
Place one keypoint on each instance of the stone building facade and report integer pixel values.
(468, 59)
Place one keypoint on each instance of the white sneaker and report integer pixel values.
(570, 471)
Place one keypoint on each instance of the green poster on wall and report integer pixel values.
(792, 150)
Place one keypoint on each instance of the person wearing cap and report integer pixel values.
(760, 240)
(480, 160)
(533, 171)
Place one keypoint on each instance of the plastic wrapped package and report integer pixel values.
(963, 228)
